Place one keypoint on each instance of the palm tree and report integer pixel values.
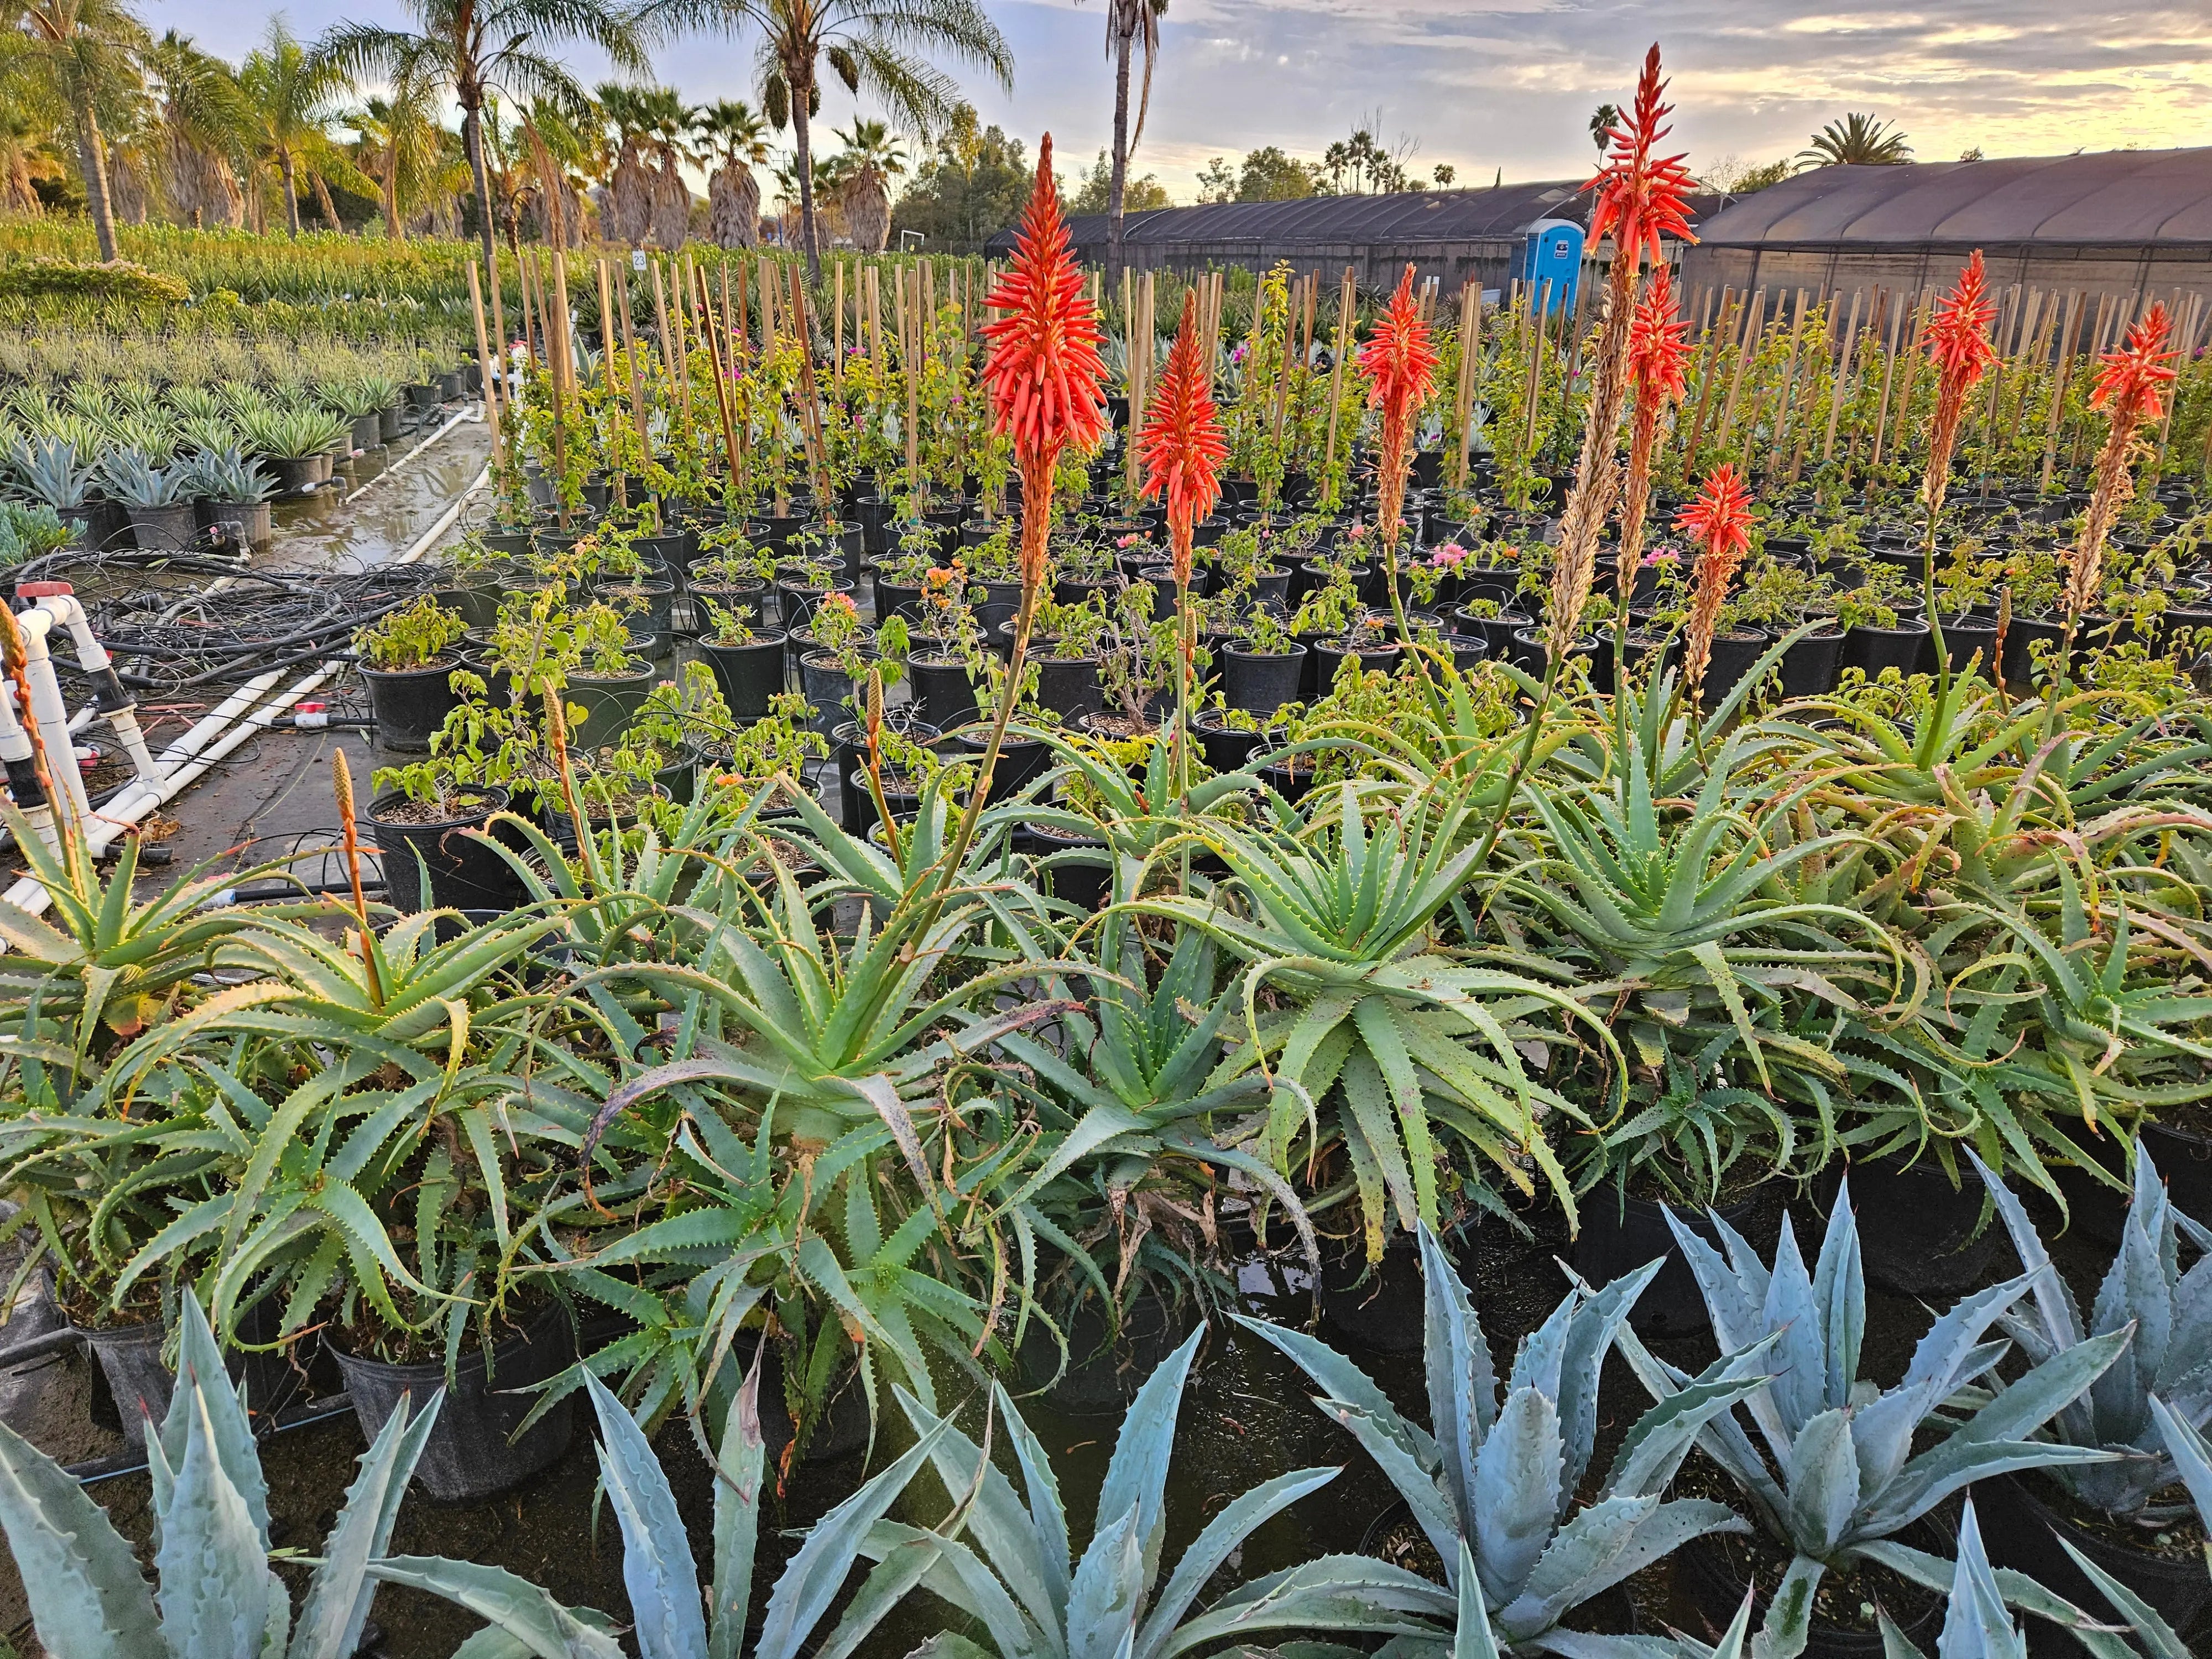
(871, 158)
(874, 46)
(86, 51)
(1856, 141)
(204, 121)
(289, 92)
(474, 49)
(1130, 24)
(1602, 125)
(403, 144)
(668, 124)
(733, 130)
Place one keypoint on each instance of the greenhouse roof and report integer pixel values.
(2125, 198)
(1419, 215)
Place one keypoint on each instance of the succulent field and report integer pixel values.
(1588, 923)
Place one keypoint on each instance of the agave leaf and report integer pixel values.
(1340, 1593)
(1823, 1481)
(199, 1360)
(1977, 1625)
(2157, 1636)
(816, 1571)
(544, 1628)
(1342, 1381)
(1462, 1381)
(1417, 1485)
(994, 1520)
(1223, 1534)
(1517, 1485)
(339, 1594)
(1663, 1436)
(2095, 1634)
(214, 1579)
(2191, 1455)
(1137, 1475)
(87, 1598)
(957, 1574)
(1109, 1590)
(1473, 1639)
(1602, 1545)
(1789, 1622)
(657, 1572)
(1047, 1517)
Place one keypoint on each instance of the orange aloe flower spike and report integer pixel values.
(1642, 196)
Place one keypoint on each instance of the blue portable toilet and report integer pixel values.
(1552, 251)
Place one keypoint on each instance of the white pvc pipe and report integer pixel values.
(472, 414)
(187, 759)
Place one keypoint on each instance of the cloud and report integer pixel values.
(1510, 84)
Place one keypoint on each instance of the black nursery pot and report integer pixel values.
(1078, 880)
(409, 704)
(130, 1359)
(1706, 1574)
(1733, 657)
(1968, 636)
(749, 675)
(1261, 681)
(1329, 655)
(1225, 750)
(471, 1453)
(1917, 1231)
(1069, 686)
(2022, 634)
(2184, 1160)
(2023, 1516)
(1620, 1235)
(1022, 762)
(1871, 650)
(941, 686)
(464, 874)
(1382, 1308)
(610, 702)
(1810, 664)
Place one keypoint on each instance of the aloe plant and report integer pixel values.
(1843, 1482)
(1006, 1562)
(215, 1597)
(2169, 1359)
(1340, 929)
(1494, 1480)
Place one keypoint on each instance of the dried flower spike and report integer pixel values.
(2130, 389)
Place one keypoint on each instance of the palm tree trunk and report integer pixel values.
(800, 143)
(1119, 188)
(291, 192)
(473, 142)
(391, 195)
(92, 160)
(323, 199)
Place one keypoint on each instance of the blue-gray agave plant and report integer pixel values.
(216, 1598)
(1838, 1480)
(671, 1621)
(1500, 1476)
(1008, 1563)
(1977, 1625)
(2171, 1355)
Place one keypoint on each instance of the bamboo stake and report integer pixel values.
(2187, 350)
(1470, 340)
(1788, 385)
(1846, 366)
(1747, 348)
(559, 435)
(484, 366)
(1723, 328)
(636, 373)
(711, 338)
(1344, 303)
(825, 495)
(910, 364)
(2069, 338)
(2037, 357)
(838, 333)
(1540, 333)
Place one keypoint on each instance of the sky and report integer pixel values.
(1508, 86)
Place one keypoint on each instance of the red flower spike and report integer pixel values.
(1181, 443)
(2134, 378)
(1958, 334)
(1399, 362)
(1641, 197)
(1719, 520)
(1658, 346)
(1043, 366)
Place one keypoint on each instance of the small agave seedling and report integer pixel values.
(1493, 1481)
(216, 1598)
(2170, 1356)
(1849, 1482)
(1013, 1573)
(1977, 1625)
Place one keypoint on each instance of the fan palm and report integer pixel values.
(736, 132)
(474, 51)
(873, 46)
(872, 157)
(289, 92)
(1856, 141)
(85, 51)
(204, 122)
